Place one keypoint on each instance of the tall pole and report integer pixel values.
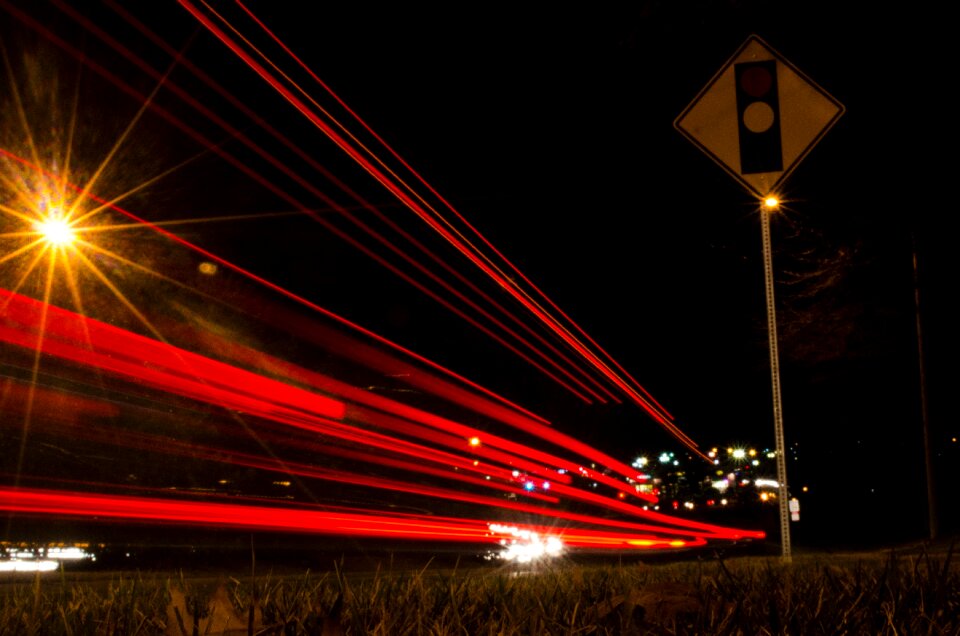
(783, 493)
(933, 524)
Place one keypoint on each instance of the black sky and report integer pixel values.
(551, 131)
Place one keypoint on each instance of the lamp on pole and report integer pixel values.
(769, 206)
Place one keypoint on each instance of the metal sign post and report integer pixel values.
(758, 117)
(782, 491)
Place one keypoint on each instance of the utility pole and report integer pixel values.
(933, 523)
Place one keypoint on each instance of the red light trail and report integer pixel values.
(214, 147)
(373, 443)
(397, 188)
(134, 357)
(299, 205)
(275, 518)
(654, 410)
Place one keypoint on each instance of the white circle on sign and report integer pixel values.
(758, 117)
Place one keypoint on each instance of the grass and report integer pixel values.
(883, 593)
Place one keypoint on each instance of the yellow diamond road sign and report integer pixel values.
(758, 117)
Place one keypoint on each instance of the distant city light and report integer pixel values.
(665, 458)
(739, 453)
(68, 554)
(474, 441)
(45, 565)
(41, 559)
(640, 462)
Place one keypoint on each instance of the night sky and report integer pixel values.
(551, 132)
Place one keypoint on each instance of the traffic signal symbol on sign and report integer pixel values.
(758, 115)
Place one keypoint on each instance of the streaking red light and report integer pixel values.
(362, 523)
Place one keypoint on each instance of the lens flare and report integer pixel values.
(56, 231)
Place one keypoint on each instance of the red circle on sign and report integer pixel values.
(756, 81)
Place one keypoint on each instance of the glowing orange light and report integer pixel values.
(771, 203)
(55, 231)
(474, 441)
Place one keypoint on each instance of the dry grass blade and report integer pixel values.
(865, 596)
